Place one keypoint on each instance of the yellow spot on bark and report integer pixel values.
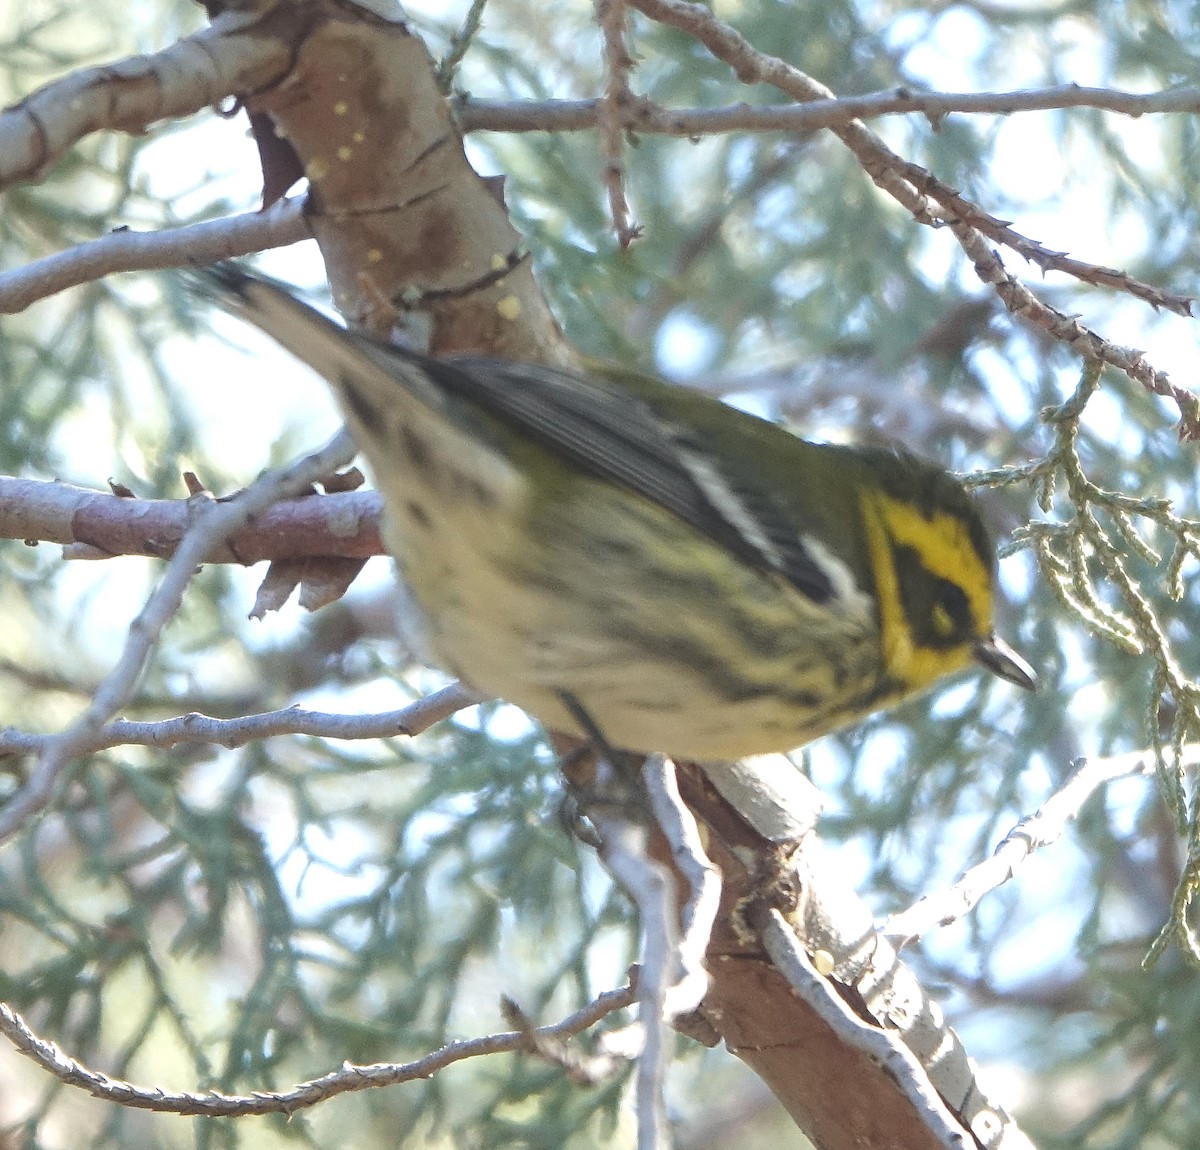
(341, 108)
(509, 307)
(317, 168)
(344, 153)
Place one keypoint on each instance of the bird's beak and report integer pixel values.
(999, 658)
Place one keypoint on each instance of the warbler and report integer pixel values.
(689, 578)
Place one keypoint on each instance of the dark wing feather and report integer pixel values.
(614, 434)
(597, 425)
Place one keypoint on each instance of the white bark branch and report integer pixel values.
(230, 55)
(126, 251)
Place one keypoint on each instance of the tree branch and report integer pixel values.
(1032, 833)
(98, 525)
(197, 729)
(886, 1048)
(913, 187)
(612, 16)
(213, 521)
(641, 115)
(125, 251)
(349, 1077)
(237, 52)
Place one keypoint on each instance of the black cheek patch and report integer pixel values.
(936, 609)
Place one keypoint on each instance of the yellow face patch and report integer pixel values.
(942, 544)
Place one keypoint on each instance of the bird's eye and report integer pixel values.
(943, 622)
(950, 613)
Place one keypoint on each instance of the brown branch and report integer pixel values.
(232, 55)
(95, 525)
(651, 119)
(612, 16)
(891, 174)
(1067, 329)
(975, 217)
(619, 110)
(885, 1046)
(759, 815)
(349, 1077)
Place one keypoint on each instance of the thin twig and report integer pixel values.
(699, 911)
(200, 730)
(653, 120)
(1087, 344)
(624, 852)
(460, 42)
(1032, 833)
(580, 1067)
(891, 174)
(348, 1077)
(960, 210)
(612, 16)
